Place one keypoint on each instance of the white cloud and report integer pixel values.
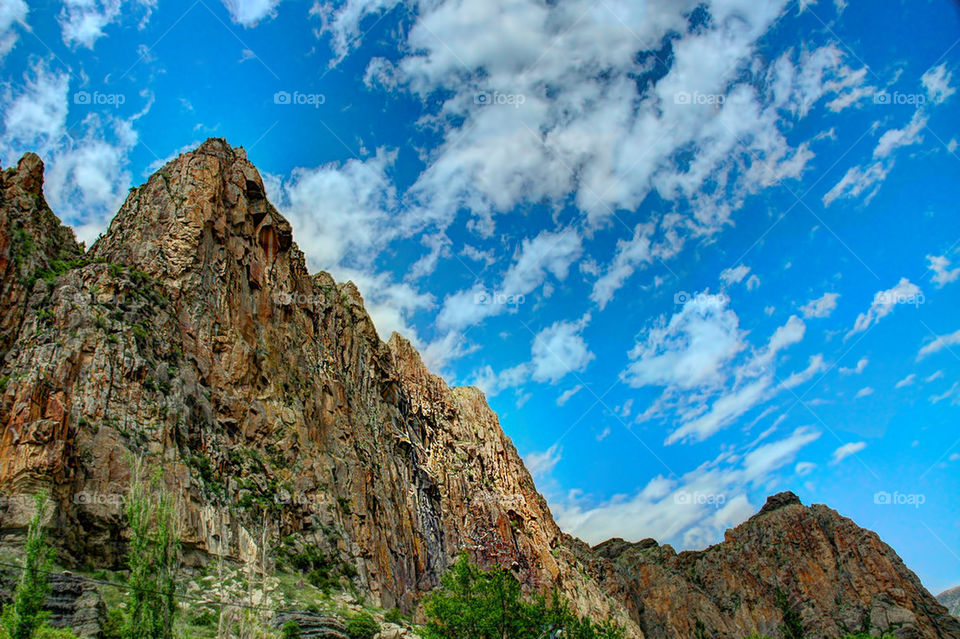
(933, 377)
(690, 511)
(906, 381)
(856, 370)
(893, 139)
(689, 350)
(249, 13)
(940, 343)
(847, 450)
(804, 468)
(549, 253)
(558, 350)
(857, 181)
(567, 394)
(721, 413)
(541, 464)
(36, 117)
(866, 391)
(952, 393)
(942, 273)
(630, 254)
(82, 22)
(937, 83)
(885, 301)
(815, 366)
(734, 275)
(12, 12)
(820, 307)
(342, 213)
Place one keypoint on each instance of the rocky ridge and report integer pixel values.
(192, 335)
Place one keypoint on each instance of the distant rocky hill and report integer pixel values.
(192, 335)
(951, 599)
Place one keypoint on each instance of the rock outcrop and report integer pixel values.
(191, 335)
(789, 564)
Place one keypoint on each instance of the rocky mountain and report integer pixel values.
(951, 599)
(192, 335)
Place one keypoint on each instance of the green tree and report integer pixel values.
(488, 604)
(25, 615)
(153, 558)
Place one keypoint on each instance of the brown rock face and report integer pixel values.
(837, 577)
(191, 334)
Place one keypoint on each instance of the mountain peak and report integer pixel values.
(779, 500)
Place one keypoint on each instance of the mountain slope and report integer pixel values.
(191, 334)
(788, 559)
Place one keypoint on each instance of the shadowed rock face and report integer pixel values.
(191, 334)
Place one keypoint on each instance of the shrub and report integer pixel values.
(290, 630)
(394, 616)
(362, 626)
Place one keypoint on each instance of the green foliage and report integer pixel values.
(290, 630)
(49, 632)
(362, 626)
(792, 627)
(863, 635)
(25, 614)
(153, 559)
(394, 616)
(113, 625)
(487, 604)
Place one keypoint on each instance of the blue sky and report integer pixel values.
(695, 253)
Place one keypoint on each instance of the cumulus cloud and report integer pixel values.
(690, 511)
(820, 307)
(567, 394)
(558, 350)
(864, 392)
(688, 350)
(541, 464)
(856, 370)
(942, 273)
(12, 12)
(940, 343)
(936, 81)
(734, 275)
(884, 302)
(847, 450)
(82, 22)
(249, 13)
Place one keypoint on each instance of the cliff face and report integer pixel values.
(787, 560)
(192, 335)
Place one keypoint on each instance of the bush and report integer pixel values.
(362, 626)
(49, 632)
(394, 616)
(487, 604)
(290, 630)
